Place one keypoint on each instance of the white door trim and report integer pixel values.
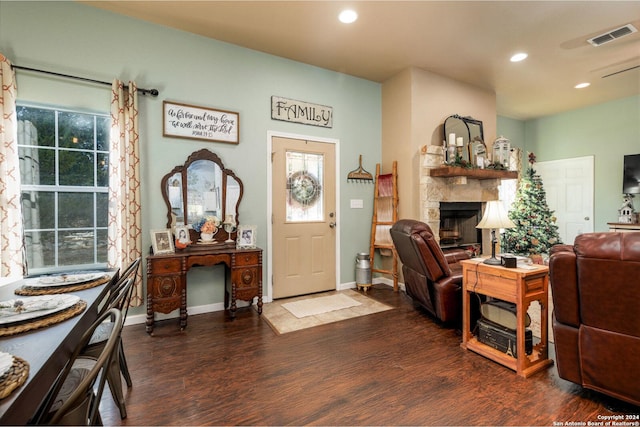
(270, 136)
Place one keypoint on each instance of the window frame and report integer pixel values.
(57, 189)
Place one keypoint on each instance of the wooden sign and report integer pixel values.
(208, 124)
(290, 110)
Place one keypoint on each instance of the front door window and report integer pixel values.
(304, 202)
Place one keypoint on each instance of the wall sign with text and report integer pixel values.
(208, 124)
(290, 110)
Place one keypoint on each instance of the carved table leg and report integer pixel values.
(183, 310)
(260, 291)
(150, 319)
(260, 303)
(234, 306)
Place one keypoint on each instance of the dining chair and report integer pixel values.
(112, 296)
(130, 271)
(75, 397)
(99, 339)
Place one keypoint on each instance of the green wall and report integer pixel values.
(606, 131)
(72, 38)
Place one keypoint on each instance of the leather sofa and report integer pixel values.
(432, 278)
(596, 323)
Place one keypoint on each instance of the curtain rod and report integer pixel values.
(152, 92)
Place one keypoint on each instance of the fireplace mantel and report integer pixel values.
(442, 183)
(450, 171)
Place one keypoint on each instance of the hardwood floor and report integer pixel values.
(397, 367)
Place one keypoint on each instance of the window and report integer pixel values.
(64, 169)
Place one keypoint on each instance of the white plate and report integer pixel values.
(6, 361)
(34, 307)
(207, 242)
(62, 280)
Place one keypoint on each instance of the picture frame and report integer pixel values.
(162, 242)
(246, 237)
(182, 235)
(202, 123)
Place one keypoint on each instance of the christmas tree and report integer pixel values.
(536, 230)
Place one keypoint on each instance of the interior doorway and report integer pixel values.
(303, 232)
(568, 185)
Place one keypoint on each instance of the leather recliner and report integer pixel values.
(596, 294)
(432, 278)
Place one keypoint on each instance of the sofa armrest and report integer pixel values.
(563, 277)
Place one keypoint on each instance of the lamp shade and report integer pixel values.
(495, 216)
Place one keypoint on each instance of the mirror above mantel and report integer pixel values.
(202, 187)
(466, 133)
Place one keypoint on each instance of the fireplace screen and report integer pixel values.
(458, 222)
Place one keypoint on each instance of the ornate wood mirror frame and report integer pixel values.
(202, 187)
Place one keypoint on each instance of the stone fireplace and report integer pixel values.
(468, 192)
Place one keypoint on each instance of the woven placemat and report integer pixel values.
(14, 377)
(42, 322)
(30, 291)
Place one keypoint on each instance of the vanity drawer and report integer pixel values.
(164, 266)
(246, 277)
(247, 258)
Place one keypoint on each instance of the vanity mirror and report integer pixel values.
(202, 190)
(471, 133)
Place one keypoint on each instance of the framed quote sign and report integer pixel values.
(192, 122)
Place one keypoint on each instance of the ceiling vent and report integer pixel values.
(612, 35)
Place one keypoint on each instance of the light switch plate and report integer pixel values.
(356, 204)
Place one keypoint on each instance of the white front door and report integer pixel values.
(568, 185)
(304, 217)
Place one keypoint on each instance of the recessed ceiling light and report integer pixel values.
(519, 57)
(348, 16)
(582, 85)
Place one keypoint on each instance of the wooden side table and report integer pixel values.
(517, 285)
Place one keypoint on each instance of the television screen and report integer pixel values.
(631, 174)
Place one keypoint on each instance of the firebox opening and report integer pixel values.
(458, 222)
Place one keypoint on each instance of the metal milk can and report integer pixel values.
(363, 269)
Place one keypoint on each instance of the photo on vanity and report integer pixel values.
(246, 237)
(162, 242)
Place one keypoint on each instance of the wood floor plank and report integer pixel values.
(397, 367)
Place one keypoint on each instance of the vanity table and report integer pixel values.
(167, 279)
(202, 188)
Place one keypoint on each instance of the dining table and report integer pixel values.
(45, 350)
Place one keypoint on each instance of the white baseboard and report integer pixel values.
(219, 306)
(388, 282)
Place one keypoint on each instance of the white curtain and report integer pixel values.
(124, 229)
(11, 242)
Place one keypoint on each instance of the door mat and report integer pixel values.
(315, 306)
(324, 310)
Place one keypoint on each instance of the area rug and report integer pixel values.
(315, 306)
(320, 309)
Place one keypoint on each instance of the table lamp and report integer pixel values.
(495, 217)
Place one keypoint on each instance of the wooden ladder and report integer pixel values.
(385, 214)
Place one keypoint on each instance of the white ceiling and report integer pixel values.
(469, 41)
